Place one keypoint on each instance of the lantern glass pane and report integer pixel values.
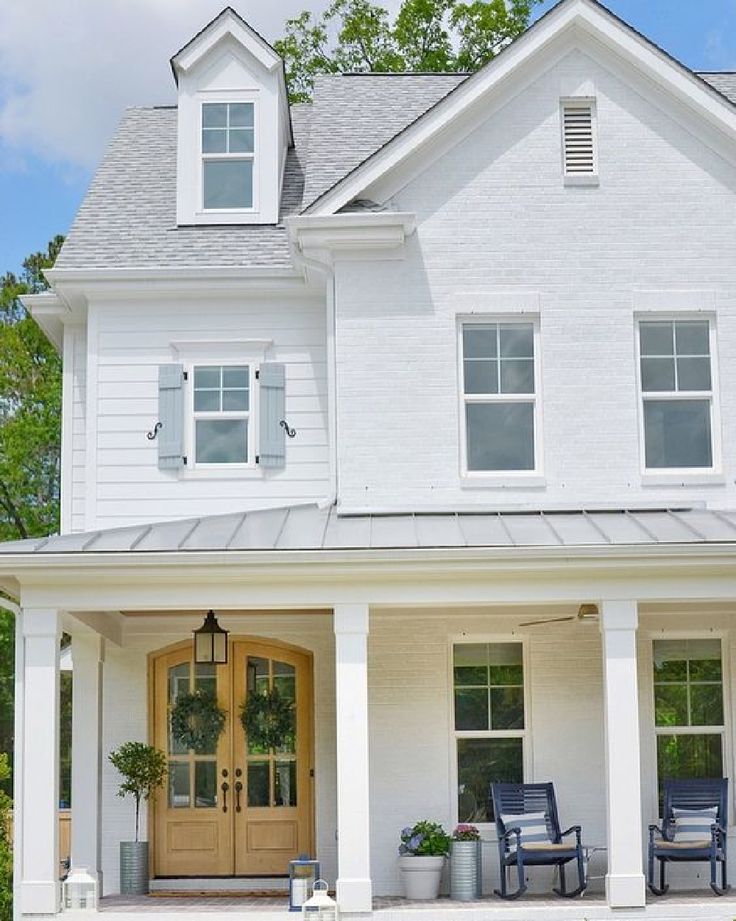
(220, 648)
(203, 647)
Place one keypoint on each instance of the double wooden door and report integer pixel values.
(239, 809)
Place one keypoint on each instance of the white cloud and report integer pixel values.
(69, 67)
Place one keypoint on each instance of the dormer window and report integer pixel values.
(228, 149)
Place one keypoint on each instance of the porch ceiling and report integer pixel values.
(310, 527)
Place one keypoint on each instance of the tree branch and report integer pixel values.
(12, 510)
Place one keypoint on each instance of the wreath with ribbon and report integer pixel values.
(197, 721)
(268, 720)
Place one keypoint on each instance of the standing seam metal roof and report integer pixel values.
(309, 527)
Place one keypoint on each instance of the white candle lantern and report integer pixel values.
(80, 890)
(320, 907)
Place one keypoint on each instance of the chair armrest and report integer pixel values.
(508, 833)
(718, 832)
(655, 829)
(576, 829)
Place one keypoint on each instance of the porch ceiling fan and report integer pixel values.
(586, 612)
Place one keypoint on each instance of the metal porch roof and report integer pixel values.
(309, 527)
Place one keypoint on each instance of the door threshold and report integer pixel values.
(251, 885)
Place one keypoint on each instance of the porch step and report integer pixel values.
(213, 887)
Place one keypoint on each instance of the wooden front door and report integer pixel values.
(242, 808)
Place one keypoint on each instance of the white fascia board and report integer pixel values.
(364, 235)
(50, 312)
(227, 24)
(109, 284)
(581, 17)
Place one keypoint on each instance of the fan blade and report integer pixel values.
(549, 620)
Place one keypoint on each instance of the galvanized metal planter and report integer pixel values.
(465, 870)
(133, 867)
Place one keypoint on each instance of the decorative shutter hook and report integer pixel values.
(156, 429)
(285, 426)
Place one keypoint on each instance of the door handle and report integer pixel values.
(225, 787)
(238, 788)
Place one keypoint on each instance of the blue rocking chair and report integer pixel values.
(518, 803)
(710, 847)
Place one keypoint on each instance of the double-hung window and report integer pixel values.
(221, 414)
(689, 713)
(228, 152)
(499, 396)
(677, 394)
(489, 715)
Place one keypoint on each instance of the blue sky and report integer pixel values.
(58, 109)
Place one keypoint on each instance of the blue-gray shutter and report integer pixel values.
(171, 416)
(272, 409)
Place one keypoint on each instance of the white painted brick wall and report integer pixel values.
(493, 216)
(125, 719)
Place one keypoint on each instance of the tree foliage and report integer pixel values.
(6, 848)
(30, 408)
(425, 35)
(143, 768)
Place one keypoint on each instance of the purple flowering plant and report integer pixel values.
(425, 839)
(466, 833)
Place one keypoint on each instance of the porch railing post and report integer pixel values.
(354, 889)
(88, 653)
(38, 803)
(625, 885)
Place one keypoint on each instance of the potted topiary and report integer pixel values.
(465, 864)
(422, 854)
(143, 768)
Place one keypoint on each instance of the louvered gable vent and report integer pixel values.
(577, 137)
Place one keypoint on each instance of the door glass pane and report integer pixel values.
(257, 675)
(677, 433)
(205, 784)
(178, 684)
(258, 783)
(480, 762)
(205, 678)
(284, 681)
(284, 781)
(179, 784)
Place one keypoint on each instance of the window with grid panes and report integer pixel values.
(228, 152)
(221, 411)
(488, 696)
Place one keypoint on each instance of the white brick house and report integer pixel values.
(496, 316)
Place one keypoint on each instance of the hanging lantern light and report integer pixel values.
(320, 907)
(303, 874)
(210, 642)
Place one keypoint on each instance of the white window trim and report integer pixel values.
(671, 475)
(727, 730)
(580, 179)
(207, 97)
(487, 829)
(251, 415)
(501, 478)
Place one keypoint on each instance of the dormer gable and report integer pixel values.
(234, 127)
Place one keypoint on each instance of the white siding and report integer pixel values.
(131, 340)
(498, 231)
(74, 429)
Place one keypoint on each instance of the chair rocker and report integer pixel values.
(513, 799)
(691, 795)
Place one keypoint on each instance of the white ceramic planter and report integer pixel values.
(421, 876)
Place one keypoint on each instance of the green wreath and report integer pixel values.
(268, 721)
(197, 721)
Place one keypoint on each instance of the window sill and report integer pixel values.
(683, 479)
(584, 180)
(502, 481)
(221, 473)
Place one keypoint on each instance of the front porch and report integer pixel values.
(687, 905)
(397, 711)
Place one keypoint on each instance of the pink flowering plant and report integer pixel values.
(425, 839)
(466, 833)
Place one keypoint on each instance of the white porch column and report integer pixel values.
(88, 652)
(354, 890)
(39, 758)
(625, 885)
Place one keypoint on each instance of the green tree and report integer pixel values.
(425, 35)
(6, 848)
(30, 441)
(143, 768)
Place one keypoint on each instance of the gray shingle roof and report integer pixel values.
(128, 217)
(309, 527)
